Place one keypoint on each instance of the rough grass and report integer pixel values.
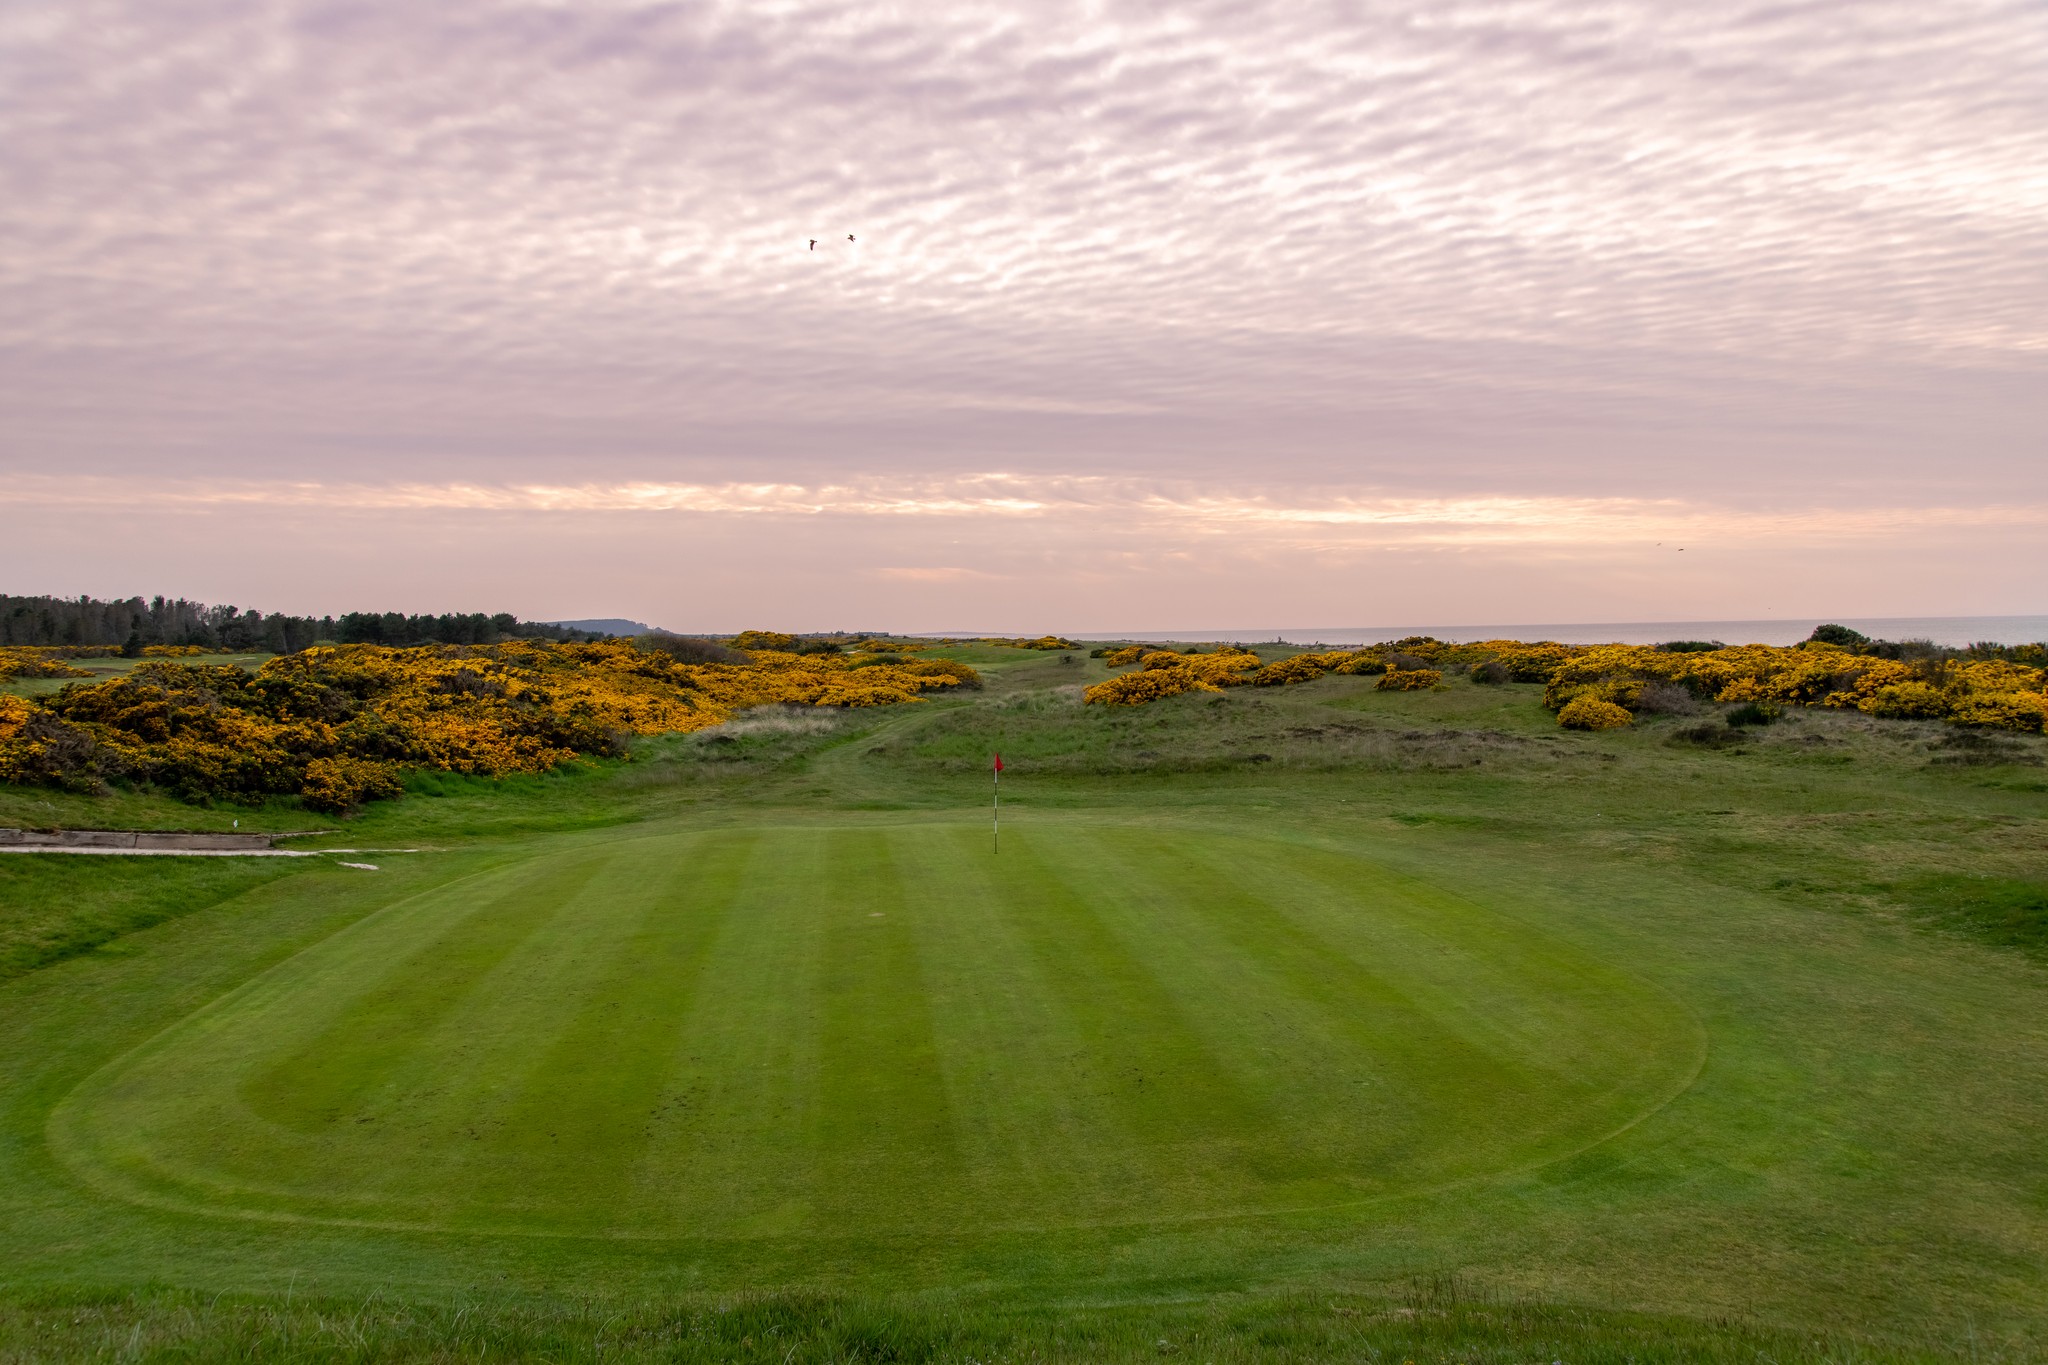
(2008, 911)
(56, 905)
(1052, 732)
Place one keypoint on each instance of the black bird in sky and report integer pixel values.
(814, 243)
(849, 236)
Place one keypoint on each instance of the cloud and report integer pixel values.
(1158, 509)
(1319, 259)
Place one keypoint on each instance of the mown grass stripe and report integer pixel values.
(325, 1079)
(1034, 1134)
(1150, 1064)
(1409, 1069)
(883, 1134)
(728, 1151)
(1550, 1008)
(582, 1118)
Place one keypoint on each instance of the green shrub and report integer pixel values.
(1705, 735)
(1666, 699)
(685, 649)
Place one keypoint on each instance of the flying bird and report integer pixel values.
(814, 243)
(849, 236)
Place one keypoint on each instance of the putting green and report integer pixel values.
(815, 1031)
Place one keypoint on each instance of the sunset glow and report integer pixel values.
(524, 292)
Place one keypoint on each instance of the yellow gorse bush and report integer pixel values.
(764, 639)
(33, 748)
(336, 725)
(2005, 710)
(1409, 679)
(30, 663)
(1588, 712)
(1152, 684)
(341, 782)
(2000, 693)
(1299, 668)
(1228, 666)
(1992, 692)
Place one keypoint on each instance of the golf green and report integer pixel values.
(811, 1031)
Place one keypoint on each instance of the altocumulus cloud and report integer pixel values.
(1152, 311)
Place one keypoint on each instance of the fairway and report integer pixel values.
(821, 1030)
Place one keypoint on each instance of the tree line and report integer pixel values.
(133, 622)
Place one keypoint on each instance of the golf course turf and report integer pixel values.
(1430, 1031)
(680, 1036)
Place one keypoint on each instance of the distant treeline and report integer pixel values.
(131, 623)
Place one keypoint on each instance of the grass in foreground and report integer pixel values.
(843, 1079)
(1430, 1322)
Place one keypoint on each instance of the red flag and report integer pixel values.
(999, 762)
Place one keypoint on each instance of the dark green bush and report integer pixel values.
(1705, 735)
(685, 649)
(1666, 699)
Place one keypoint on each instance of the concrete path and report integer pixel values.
(162, 852)
(152, 843)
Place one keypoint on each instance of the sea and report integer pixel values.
(1942, 630)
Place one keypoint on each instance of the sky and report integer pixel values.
(1119, 316)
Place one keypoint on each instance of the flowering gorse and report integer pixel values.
(1987, 692)
(31, 663)
(1152, 684)
(1588, 712)
(336, 726)
(1409, 680)
(2008, 693)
